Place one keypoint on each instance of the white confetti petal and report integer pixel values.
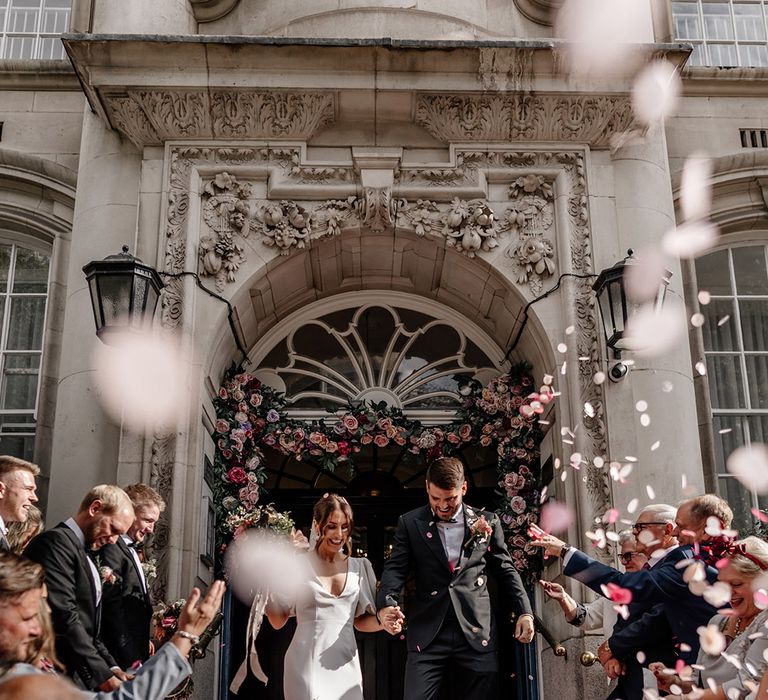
(650, 332)
(749, 464)
(562, 347)
(649, 490)
(667, 387)
(598, 378)
(655, 445)
(570, 330)
(723, 320)
(632, 505)
(704, 298)
(695, 188)
(645, 420)
(589, 409)
(690, 239)
(701, 368)
(697, 320)
(641, 406)
(656, 92)
(599, 462)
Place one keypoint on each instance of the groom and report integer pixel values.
(452, 549)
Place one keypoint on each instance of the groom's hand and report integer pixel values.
(524, 629)
(391, 619)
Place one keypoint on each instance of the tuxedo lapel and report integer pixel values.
(430, 535)
(126, 550)
(5, 546)
(86, 567)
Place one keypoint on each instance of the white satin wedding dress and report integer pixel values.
(322, 662)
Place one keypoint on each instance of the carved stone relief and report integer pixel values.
(516, 116)
(151, 117)
(469, 225)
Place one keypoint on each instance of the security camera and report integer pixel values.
(618, 372)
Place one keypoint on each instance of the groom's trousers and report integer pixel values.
(472, 675)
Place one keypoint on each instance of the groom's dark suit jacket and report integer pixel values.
(418, 550)
(72, 597)
(664, 584)
(127, 608)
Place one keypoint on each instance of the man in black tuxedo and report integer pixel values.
(663, 584)
(452, 549)
(127, 608)
(18, 492)
(75, 586)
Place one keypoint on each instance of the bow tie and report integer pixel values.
(448, 522)
(136, 545)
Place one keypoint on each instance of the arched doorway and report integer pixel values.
(382, 346)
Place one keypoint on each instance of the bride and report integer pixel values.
(336, 597)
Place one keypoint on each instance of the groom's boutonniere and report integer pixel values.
(480, 530)
(108, 575)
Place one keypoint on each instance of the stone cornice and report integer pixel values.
(151, 117)
(725, 82)
(38, 75)
(511, 117)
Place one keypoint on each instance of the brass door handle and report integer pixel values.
(588, 658)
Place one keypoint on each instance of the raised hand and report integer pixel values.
(553, 590)
(197, 614)
(549, 543)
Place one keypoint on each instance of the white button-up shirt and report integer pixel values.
(72, 525)
(136, 561)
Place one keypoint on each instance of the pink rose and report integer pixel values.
(331, 447)
(485, 440)
(223, 393)
(453, 438)
(255, 400)
(465, 431)
(367, 439)
(381, 440)
(237, 475)
(517, 504)
(350, 422)
(222, 426)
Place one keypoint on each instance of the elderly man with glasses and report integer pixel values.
(662, 585)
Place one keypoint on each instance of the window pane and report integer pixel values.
(50, 48)
(719, 329)
(717, 20)
(18, 446)
(757, 380)
(699, 56)
(754, 323)
(749, 268)
(20, 47)
(749, 21)
(729, 434)
(55, 17)
(758, 428)
(22, 17)
(19, 389)
(26, 325)
(712, 273)
(723, 55)
(31, 274)
(726, 385)
(753, 55)
(687, 22)
(739, 499)
(5, 262)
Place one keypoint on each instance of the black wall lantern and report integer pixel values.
(616, 308)
(124, 294)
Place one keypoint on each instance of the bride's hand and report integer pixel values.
(298, 539)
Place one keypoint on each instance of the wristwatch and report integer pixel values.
(564, 550)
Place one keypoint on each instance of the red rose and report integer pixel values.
(237, 475)
(344, 448)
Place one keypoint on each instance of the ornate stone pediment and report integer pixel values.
(152, 116)
(518, 117)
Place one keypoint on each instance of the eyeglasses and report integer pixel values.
(626, 557)
(641, 526)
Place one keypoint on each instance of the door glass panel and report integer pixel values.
(749, 267)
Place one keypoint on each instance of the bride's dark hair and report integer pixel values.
(321, 514)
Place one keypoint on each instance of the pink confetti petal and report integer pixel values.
(614, 592)
(611, 516)
(650, 332)
(556, 517)
(656, 92)
(690, 239)
(760, 515)
(761, 598)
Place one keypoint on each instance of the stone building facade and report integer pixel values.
(305, 166)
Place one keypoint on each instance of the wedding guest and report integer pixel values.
(127, 608)
(21, 594)
(41, 652)
(737, 672)
(18, 492)
(74, 583)
(664, 583)
(20, 534)
(600, 613)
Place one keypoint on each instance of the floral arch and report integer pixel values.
(252, 416)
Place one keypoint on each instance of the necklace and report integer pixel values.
(737, 628)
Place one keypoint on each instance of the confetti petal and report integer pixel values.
(643, 277)
(656, 92)
(598, 378)
(718, 594)
(556, 517)
(695, 188)
(690, 239)
(650, 332)
(704, 298)
(749, 464)
(697, 320)
(712, 640)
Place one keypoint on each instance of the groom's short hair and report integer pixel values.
(446, 473)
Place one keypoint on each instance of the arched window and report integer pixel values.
(735, 336)
(23, 297)
(32, 28)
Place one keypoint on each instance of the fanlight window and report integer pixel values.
(376, 352)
